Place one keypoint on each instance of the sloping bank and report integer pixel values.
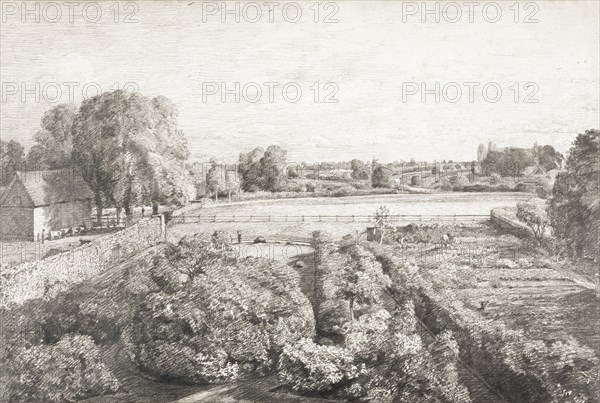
(522, 370)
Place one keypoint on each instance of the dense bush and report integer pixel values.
(533, 214)
(68, 371)
(230, 318)
(307, 367)
(381, 359)
(374, 355)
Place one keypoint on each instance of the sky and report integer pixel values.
(373, 61)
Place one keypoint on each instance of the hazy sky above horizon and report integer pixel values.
(369, 53)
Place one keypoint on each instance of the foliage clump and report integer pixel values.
(364, 350)
(67, 371)
(211, 317)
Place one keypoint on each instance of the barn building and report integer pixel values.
(37, 202)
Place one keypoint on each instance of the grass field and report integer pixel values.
(432, 204)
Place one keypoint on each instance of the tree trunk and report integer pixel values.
(118, 215)
(229, 196)
(99, 207)
(352, 309)
(127, 201)
(98, 200)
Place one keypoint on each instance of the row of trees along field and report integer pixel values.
(128, 148)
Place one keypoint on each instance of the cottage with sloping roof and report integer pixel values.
(37, 202)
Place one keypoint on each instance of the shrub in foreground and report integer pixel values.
(68, 371)
(210, 317)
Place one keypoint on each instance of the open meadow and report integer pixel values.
(242, 216)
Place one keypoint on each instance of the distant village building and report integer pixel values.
(37, 202)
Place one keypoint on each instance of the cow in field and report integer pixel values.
(55, 234)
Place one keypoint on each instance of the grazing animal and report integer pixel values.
(483, 304)
(55, 234)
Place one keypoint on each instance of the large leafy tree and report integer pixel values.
(575, 205)
(250, 169)
(549, 158)
(263, 169)
(131, 151)
(215, 179)
(382, 177)
(54, 141)
(273, 168)
(359, 170)
(11, 159)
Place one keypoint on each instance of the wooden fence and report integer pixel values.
(200, 218)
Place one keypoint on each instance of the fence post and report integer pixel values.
(352, 217)
(420, 218)
(319, 218)
(215, 218)
(302, 218)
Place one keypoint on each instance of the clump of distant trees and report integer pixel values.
(128, 148)
(360, 171)
(263, 169)
(513, 161)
